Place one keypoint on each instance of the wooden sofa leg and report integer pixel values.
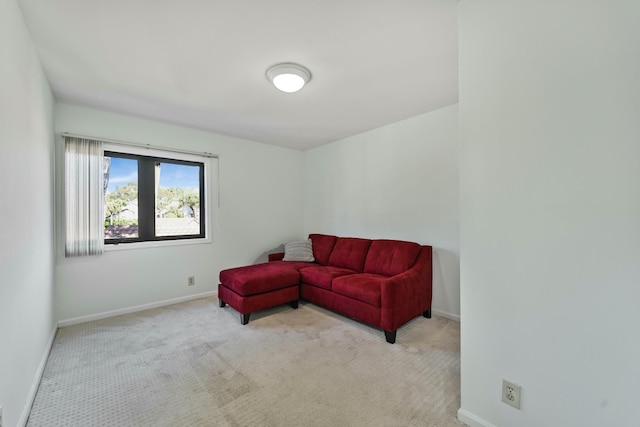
(244, 318)
(294, 304)
(427, 314)
(222, 303)
(390, 336)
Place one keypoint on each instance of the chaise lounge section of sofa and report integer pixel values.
(384, 283)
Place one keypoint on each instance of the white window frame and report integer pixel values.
(156, 152)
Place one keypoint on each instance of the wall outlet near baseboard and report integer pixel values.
(511, 393)
(191, 280)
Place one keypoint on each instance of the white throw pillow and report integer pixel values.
(298, 251)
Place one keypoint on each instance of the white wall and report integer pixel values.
(26, 254)
(261, 208)
(550, 211)
(397, 182)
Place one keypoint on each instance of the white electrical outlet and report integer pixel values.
(511, 393)
(191, 281)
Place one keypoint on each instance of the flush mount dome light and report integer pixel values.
(288, 77)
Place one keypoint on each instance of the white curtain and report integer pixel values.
(84, 197)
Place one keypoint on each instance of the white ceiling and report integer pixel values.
(202, 63)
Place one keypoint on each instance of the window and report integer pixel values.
(150, 198)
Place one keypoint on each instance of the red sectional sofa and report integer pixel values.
(384, 283)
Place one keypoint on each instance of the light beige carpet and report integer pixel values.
(193, 364)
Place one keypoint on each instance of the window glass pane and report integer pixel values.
(177, 199)
(121, 198)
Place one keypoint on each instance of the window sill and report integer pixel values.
(156, 244)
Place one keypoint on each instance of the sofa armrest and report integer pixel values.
(276, 257)
(407, 295)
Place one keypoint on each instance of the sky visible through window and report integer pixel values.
(123, 171)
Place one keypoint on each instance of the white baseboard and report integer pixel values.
(36, 380)
(472, 420)
(455, 317)
(134, 309)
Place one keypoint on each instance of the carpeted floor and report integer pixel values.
(193, 364)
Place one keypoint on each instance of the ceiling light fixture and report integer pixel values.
(288, 77)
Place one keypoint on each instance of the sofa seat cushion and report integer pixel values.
(322, 276)
(363, 287)
(391, 257)
(350, 252)
(259, 278)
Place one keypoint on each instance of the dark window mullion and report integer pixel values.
(146, 199)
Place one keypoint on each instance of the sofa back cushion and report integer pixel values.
(322, 247)
(391, 257)
(350, 252)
